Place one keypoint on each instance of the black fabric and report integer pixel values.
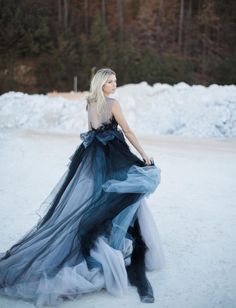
(136, 270)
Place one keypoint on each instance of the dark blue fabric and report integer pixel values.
(80, 211)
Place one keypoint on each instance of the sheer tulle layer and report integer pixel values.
(81, 243)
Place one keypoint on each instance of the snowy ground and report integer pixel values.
(194, 207)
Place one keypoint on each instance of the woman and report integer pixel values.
(97, 231)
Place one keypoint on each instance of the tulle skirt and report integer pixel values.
(82, 242)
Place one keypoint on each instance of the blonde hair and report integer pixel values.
(96, 93)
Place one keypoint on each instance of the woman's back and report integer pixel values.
(96, 119)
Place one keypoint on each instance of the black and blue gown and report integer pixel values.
(85, 239)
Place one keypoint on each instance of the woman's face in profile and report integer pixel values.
(110, 85)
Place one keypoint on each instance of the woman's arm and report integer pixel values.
(119, 116)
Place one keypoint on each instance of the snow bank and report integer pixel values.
(151, 110)
(19, 110)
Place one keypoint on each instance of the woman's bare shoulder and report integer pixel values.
(115, 102)
(117, 110)
(111, 100)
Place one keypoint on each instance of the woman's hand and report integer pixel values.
(146, 159)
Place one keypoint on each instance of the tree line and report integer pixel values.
(44, 44)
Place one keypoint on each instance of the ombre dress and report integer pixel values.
(95, 217)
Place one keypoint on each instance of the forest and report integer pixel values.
(44, 44)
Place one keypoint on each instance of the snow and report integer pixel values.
(160, 109)
(190, 132)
